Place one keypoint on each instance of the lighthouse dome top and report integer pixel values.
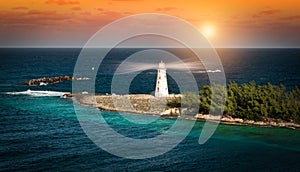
(162, 65)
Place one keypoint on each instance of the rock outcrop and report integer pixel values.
(45, 81)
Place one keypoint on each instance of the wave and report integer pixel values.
(39, 93)
(213, 71)
(83, 78)
(43, 83)
(207, 71)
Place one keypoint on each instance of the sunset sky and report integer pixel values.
(226, 23)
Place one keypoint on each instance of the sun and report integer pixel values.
(208, 30)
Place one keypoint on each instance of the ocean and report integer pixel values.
(42, 132)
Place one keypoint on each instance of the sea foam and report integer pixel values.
(207, 71)
(39, 93)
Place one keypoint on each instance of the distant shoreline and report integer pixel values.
(104, 103)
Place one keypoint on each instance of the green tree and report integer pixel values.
(190, 100)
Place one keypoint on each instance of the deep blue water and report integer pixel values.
(43, 133)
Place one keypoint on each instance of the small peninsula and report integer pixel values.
(169, 107)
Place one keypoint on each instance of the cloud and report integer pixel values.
(62, 2)
(245, 22)
(32, 18)
(291, 17)
(40, 13)
(166, 9)
(90, 20)
(112, 14)
(99, 9)
(128, 13)
(20, 8)
(266, 12)
(76, 8)
(86, 13)
(269, 12)
(126, 0)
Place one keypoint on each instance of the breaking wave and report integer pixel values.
(207, 71)
(83, 78)
(39, 93)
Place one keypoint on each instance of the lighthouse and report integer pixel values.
(161, 89)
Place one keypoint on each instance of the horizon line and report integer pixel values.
(250, 47)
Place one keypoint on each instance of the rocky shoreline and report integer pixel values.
(137, 103)
(148, 104)
(45, 81)
(50, 80)
(238, 121)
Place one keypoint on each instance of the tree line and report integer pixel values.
(247, 101)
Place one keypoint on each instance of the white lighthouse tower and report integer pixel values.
(161, 89)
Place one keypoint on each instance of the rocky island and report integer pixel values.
(50, 80)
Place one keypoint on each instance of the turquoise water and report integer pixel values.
(43, 133)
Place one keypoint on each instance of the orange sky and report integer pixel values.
(236, 23)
